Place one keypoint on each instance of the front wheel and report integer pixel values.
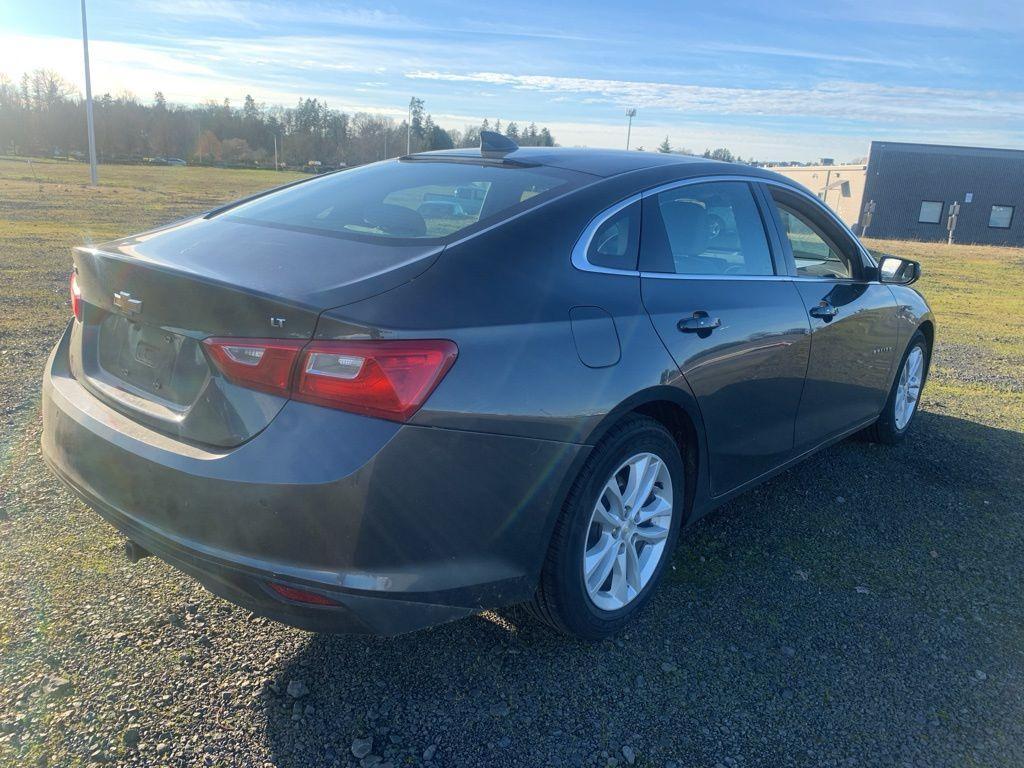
(905, 395)
(616, 533)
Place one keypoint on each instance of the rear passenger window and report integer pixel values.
(617, 240)
(705, 229)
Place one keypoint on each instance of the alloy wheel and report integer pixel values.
(909, 388)
(628, 531)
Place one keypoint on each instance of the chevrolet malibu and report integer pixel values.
(352, 404)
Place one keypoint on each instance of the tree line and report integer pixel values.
(43, 115)
(721, 153)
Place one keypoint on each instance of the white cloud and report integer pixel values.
(849, 101)
(363, 73)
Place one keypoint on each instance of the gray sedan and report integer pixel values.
(346, 409)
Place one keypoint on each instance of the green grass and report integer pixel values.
(976, 292)
(47, 207)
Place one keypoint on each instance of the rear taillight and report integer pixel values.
(263, 364)
(388, 379)
(76, 297)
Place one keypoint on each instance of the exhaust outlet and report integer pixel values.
(134, 552)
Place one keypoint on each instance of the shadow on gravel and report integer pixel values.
(861, 609)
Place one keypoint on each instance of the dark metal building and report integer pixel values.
(912, 189)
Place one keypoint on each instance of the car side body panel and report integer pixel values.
(852, 357)
(747, 374)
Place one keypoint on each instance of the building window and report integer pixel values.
(931, 212)
(1001, 216)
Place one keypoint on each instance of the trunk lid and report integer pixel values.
(149, 301)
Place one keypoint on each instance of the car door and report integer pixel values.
(853, 319)
(732, 319)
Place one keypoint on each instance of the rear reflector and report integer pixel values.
(300, 595)
(388, 379)
(263, 364)
(76, 297)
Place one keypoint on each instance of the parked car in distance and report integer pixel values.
(471, 197)
(346, 414)
(440, 209)
(164, 161)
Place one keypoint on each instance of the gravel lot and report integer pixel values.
(863, 609)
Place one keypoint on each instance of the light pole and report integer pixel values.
(88, 100)
(630, 113)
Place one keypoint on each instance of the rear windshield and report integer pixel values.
(417, 199)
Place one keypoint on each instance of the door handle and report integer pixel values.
(699, 322)
(824, 311)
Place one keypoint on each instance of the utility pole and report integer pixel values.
(630, 113)
(277, 166)
(88, 101)
(408, 132)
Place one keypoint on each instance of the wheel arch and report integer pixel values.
(678, 412)
(927, 327)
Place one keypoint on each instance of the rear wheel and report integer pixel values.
(905, 395)
(616, 533)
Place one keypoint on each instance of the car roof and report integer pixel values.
(607, 162)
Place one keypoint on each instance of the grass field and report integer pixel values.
(865, 605)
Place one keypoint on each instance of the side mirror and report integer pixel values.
(893, 269)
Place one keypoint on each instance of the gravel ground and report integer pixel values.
(862, 609)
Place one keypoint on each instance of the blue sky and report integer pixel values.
(796, 80)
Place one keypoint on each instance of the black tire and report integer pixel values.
(561, 600)
(885, 430)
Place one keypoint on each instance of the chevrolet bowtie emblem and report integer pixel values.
(124, 301)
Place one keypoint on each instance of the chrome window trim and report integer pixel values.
(579, 251)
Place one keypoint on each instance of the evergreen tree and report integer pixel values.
(251, 110)
(665, 147)
(416, 114)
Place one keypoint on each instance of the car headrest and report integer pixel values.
(686, 223)
(395, 219)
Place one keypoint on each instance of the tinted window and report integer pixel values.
(705, 229)
(1000, 216)
(616, 241)
(407, 199)
(931, 212)
(814, 253)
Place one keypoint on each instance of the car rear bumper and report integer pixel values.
(402, 526)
